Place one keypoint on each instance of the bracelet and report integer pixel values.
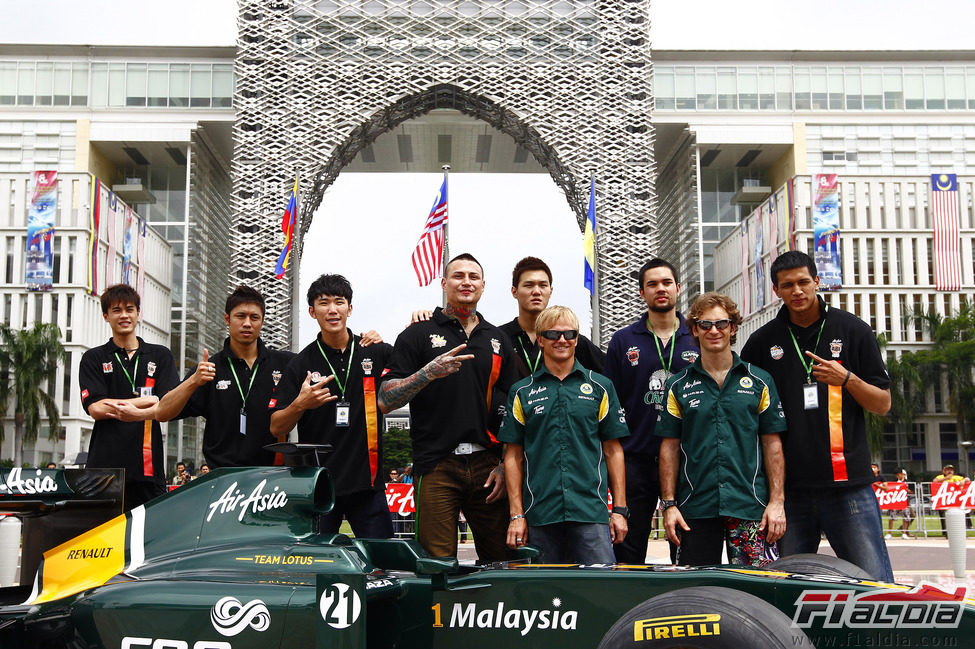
(846, 380)
(515, 517)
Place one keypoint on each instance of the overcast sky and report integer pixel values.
(676, 24)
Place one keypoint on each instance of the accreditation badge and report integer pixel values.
(342, 410)
(810, 396)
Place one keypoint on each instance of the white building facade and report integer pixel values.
(69, 303)
(153, 124)
(738, 126)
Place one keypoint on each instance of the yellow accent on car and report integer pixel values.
(84, 562)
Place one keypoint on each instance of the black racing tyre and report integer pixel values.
(704, 617)
(819, 564)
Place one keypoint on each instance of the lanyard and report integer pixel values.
(243, 397)
(348, 370)
(673, 344)
(524, 352)
(802, 358)
(135, 370)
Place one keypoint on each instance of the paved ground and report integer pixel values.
(913, 560)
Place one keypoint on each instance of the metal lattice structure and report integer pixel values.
(569, 80)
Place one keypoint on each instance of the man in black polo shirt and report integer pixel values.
(828, 368)
(531, 285)
(235, 389)
(344, 414)
(454, 370)
(121, 382)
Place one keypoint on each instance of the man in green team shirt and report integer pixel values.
(563, 454)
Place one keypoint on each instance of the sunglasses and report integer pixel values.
(706, 325)
(554, 334)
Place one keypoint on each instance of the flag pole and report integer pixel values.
(446, 226)
(295, 297)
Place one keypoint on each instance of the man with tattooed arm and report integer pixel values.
(454, 370)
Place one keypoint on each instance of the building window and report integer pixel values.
(135, 84)
(9, 274)
(8, 83)
(66, 387)
(68, 319)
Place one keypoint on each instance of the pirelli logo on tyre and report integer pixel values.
(677, 626)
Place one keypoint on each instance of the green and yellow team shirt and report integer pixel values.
(721, 470)
(562, 426)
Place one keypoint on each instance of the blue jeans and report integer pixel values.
(849, 516)
(585, 543)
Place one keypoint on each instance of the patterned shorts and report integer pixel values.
(746, 543)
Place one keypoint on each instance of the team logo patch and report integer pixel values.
(367, 366)
(745, 382)
(496, 345)
(585, 388)
(385, 372)
(276, 376)
(315, 377)
(223, 385)
(633, 355)
(836, 347)
(689, 355)
(776, 352)
(107, 367)
(272, 403)
(84, 394)
(436, 340)
(151, 368)
(230, 616)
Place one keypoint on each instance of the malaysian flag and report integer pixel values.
(944, 209)
(428, 255)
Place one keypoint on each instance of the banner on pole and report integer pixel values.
(39, 272)
(127, 247)
(826, 231)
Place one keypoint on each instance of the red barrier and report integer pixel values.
(891, 495)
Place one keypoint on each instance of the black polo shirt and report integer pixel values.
(135, 446)
(462, 407)
(220, 402)
(527, 351)
(357, 459)
(827, 446)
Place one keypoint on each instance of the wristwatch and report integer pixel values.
(622, 511)
(667, 504)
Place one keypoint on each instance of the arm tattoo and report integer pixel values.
(396, 393)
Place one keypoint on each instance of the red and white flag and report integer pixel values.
(428, 255)
(944, 209)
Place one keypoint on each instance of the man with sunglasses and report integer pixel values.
(829, 368)
(562, 432)
(639, 360)
(721, 464)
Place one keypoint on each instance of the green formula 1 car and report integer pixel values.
(233, 561)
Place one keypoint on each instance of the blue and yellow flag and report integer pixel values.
(288, 227)
(588, 278)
